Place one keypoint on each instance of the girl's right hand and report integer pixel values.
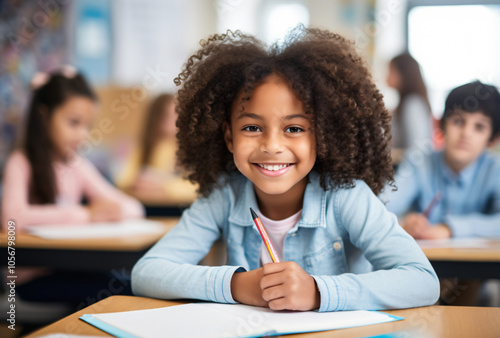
(105, 211)
(245, 288)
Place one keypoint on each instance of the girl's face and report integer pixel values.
(393, 77)
(70, 124)
(272, 140)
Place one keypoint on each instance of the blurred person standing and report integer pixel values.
(412, 118)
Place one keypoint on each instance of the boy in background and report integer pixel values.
(454, 192)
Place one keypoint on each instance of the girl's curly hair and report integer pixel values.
(351, 123)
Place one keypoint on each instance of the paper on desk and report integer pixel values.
(452, 243)
(97, 230)
(205, 320)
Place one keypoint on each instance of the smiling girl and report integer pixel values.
(299, 133)
(45, 180)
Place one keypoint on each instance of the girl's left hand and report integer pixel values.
(286, 286)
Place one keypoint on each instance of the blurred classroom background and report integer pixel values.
(131, 50)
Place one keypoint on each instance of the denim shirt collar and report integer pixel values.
(465, 176)
(314, 196)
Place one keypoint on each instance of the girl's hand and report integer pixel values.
(286, 286)
(245, 287)
(105, 211)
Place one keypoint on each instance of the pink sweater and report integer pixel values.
(74, 181)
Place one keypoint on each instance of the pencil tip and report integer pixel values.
(254, 215)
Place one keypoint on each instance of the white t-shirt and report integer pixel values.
(276, 230)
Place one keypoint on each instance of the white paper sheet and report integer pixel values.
(452, 243)
(227, 320)
(97, 230)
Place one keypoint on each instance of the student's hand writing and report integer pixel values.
(105, 211)
(438, 231)
(147, 185)
(245, 287)
(418, 226)
(286, 286)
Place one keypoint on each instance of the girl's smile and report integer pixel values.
(273, 169)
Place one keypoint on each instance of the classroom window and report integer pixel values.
(280, 18)
(455, 45)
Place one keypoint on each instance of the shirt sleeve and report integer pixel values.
(169, 271)
(402, 276)
(408, 186)
(15, 200)
(479, 224)
(96, 187)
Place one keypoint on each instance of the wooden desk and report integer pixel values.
(477, 263)
(164, 206)
(102, 254)
(430, 321)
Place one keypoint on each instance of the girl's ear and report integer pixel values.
(228, 136)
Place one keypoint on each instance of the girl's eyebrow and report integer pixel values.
(288, 117)
(250, 115)
(291, 117)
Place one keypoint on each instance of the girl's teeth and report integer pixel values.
(273, 167)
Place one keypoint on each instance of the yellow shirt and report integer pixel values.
(161, 169)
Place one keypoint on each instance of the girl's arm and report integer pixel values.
(97, 188)
(169, 270)
(15, 205)
(402, 276)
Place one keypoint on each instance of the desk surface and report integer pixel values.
(430, 321)
(125, 243)
(489, 253)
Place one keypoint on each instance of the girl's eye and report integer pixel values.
(74, 122)
(251, 128)
(294, 130)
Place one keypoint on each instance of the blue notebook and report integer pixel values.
(227, 320)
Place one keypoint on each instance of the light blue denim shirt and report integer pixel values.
(336, 232)
(470, 200)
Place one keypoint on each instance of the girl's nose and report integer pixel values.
(272, 143)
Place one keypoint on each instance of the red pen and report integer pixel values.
(264, 236)
(431, 205)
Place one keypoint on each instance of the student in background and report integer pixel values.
(151, 172)
(454, 192)
(299, 134)
(45, 179)
(411, 120)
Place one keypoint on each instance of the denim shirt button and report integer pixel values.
(337, 246)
